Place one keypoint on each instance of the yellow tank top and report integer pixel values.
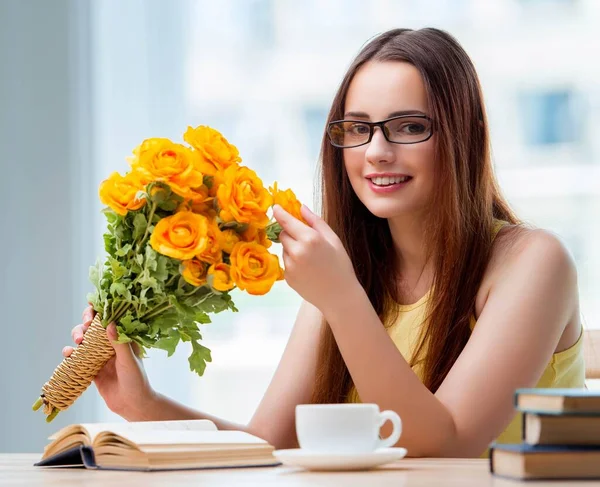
(565, 369)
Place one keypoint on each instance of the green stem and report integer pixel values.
(156, 311)
(52, 415)
(38, 404)
(122, 311)
(170, 281)
(152, 210)
(117, 314)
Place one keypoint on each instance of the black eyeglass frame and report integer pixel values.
(379, 124)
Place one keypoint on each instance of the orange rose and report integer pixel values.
(288, 201)
(119, 192)
(258, 235)
(218, 178)
(227, 239)
(212, 254)
(242, 197)
(200, 202)
(220, 277)
(174, 164)
(194, 272)
(253, 268)
(212, 146)
(181, 236)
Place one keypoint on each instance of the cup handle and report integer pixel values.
(396, 432)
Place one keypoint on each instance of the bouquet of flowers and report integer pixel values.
(185, 226)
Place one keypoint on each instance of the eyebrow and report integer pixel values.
(390, 115)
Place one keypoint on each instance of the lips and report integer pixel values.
(389, 180)
(392, 185)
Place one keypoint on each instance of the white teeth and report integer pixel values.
(388, 180)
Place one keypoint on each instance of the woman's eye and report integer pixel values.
(412, 128)
(359, 129)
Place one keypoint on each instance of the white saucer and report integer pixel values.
(298, 457)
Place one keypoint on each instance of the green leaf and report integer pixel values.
(169, 205)
(273, 230)
(151, 258)
(122, 337)
(164, 321)
(120, 289)
(139, 224)
(94, 274)
(123, 250)
(199, 357)
(146, 280)
(161, 272)
(110, 244)
(117, 268)
(169, 343)
(111, 217)
(215, 304)
(183, 310)
(131, 326)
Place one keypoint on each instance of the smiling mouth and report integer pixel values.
(389, 180)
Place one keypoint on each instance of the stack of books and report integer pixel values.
(560, 439)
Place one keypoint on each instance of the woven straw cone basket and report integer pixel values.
(76, 372)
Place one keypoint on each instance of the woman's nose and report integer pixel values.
(379, 150)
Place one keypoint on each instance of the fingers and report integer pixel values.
(124, 351)
(77, 333)
(314, 220)
(318, 224)
(88, 316)
(136, 350)
(285, 239)
(294, 227)
(291, 248)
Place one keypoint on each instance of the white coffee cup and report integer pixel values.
(344, 428)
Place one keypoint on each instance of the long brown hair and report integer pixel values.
(460, 224)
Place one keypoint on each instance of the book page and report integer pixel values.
(123, 429)
(187, 438)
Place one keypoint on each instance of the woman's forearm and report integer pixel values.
(162, 408)
(382, 375)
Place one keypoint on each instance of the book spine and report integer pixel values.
(88, 458)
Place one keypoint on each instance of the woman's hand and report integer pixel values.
(122, 382)
(316, 264)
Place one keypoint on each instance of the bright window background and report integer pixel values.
(264, 72)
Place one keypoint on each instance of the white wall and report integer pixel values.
(44, 196)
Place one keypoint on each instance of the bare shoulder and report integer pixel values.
(530, 249)
(534, 261)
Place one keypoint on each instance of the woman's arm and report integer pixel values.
(274, 419)
(521, 323)
(528, 307)
(123, 384)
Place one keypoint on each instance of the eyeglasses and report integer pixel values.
(405, 129)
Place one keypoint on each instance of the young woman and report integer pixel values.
(422, 291)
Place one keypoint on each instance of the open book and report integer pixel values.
(155, 445)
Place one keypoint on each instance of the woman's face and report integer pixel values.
(378, 91)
